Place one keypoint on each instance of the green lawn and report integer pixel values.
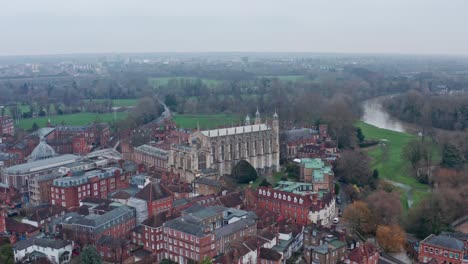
(205, 121)
(160, 81)
(71, 119)
(388, 159)
(292, 78)
(118, 102)
(23, 108)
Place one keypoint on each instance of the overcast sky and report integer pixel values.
(344, 26)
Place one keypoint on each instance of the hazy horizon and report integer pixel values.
(52, 27)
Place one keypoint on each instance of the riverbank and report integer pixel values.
(387, 159)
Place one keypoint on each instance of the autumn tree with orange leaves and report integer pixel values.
(391, 238)
(359, 217)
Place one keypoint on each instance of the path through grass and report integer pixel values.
(387, 158)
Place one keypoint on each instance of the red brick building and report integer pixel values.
(158, 198)
(442, 248)
(188, 241)
(68, 191)
(94, 134)
(364, 254)
(6, 126)
(113, 249)
(269, 256)
(150, 234)
(116, 222)
(296, 201)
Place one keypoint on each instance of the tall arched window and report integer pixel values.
(201, 161)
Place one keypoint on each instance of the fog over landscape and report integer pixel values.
(360, 26)
(234, 132)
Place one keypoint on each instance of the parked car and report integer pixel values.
(336, 220)
(338, 200)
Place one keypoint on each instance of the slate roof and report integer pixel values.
(42, 242)
(207, 181)
(233, 228)
(187, 225)
(98, 221)
(111, 241)
(46, 212)
(153, 192)
(235, 130)
(207, 212)
(231, 200)
(444, 241)
(120, 195)
(269, 254)
(15, 226)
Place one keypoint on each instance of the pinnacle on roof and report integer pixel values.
(275, 115)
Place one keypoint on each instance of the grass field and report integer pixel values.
(160, 81)
(71, 119)
(205, 121)
(23, 108)
(388, 160)
(119, 102)
(291, 78)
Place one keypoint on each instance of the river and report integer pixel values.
(374, 114)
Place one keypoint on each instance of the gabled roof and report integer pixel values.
(444, 241)
(42, 242)
(153, 192)
(231, 200)
(120, 195)
(269, 254)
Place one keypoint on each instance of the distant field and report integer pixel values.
(292, 78)
(71, 119)
(160, 81)
(205, 121)
(119, 102)
(23, 108)
(392, 166)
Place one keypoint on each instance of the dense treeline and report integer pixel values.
(440, 111)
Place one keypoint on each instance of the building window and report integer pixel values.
(456, 255)
(451, 255)
(202, 161)
(425, 249)
(437, 251)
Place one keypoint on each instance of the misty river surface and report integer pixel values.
(375, 114)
